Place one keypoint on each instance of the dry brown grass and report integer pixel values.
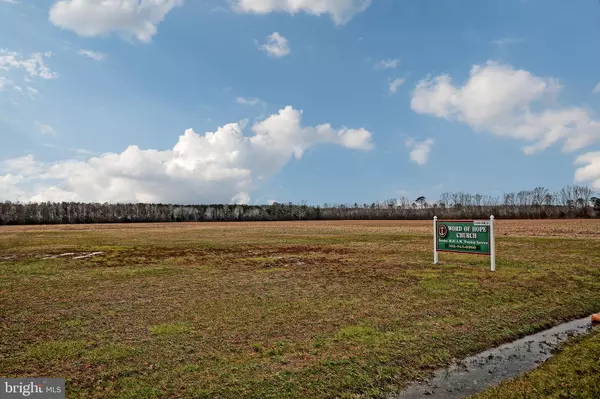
(587, 228)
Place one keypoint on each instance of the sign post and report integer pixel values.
(435, 253)
(492, 245)
(464, 236)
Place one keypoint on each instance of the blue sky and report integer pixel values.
(488, 97)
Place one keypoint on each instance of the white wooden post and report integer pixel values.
(435, 252)
(492, 244)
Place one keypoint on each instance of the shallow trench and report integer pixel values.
(486, 369)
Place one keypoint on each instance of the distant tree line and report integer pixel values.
(539, 203)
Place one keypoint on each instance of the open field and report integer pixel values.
(298, 309)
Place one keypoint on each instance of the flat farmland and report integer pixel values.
(276, 310)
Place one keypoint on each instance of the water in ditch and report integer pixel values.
(489, 368)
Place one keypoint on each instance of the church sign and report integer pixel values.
(464, 236)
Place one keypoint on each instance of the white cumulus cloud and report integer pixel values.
(419, 150)
(590, 172)
(215, 167)
(9, 187)
(508, 102)
(341, 11)
(596, 89)
(276, 46)
(131, 18)
(242, 198)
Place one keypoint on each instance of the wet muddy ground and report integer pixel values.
(489, 368)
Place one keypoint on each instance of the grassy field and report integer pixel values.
(572, 373)
(276, 310)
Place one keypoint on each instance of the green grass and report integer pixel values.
(56, 350)
(241, 310)
(110, 353)
(74, 323)
(573, 373)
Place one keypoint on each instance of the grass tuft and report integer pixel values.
(74, 323)
(110, 353)
(356, 332)
(57, 350)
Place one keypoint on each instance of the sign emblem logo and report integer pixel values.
(443, 231)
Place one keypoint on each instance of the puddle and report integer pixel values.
(486, 369)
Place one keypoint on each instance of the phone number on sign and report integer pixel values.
(459, 246)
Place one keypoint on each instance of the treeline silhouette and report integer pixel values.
(539, 203)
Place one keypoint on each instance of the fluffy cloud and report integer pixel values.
(26, 165)
(596, 89)
(394, 84)
(221, 166)
(508, 102)
(341, 11)
(94, 55)
(241, 198)
(137, 18)
(34, 66)
(276, 46)
(590, 173)
(391, 63)
(9, 187)
(419, 150)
